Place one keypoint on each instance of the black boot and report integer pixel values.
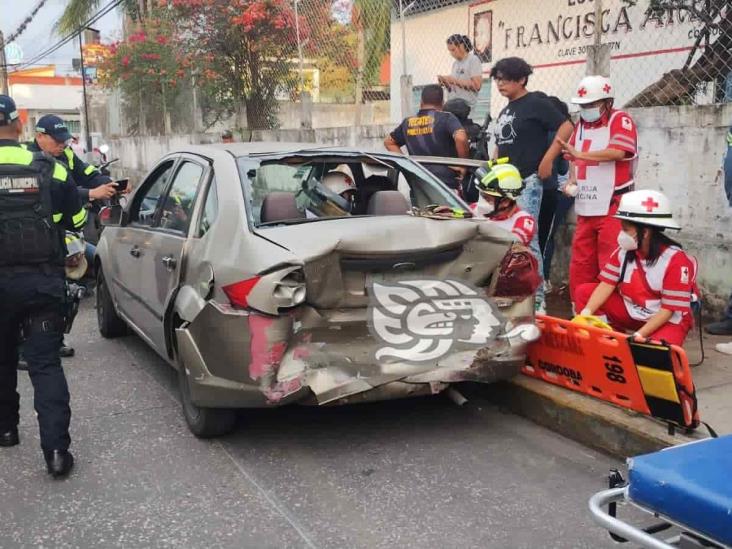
(721, 328)
(59, 462)
(9, 438)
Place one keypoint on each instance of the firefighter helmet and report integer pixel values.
(501, 180)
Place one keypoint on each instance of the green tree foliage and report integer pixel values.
(151, 70)
(79, 11)
(245, 51)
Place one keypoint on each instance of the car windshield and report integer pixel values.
(305, 187)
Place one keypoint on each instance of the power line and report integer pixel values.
(61, 43)
(21, 28)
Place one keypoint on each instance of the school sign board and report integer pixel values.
(552, 35)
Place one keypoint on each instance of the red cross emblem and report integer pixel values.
(650, 204)
(582, 92)
(606, 88)
(582, 165)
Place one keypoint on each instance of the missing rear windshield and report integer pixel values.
(303, 189)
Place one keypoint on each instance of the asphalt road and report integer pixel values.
(413, 473)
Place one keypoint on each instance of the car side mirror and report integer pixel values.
(112, 215)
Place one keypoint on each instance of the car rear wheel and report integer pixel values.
(203, 422)
(110, 324)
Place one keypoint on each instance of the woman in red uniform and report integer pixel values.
(647, 286)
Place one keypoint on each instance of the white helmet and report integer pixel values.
(330, 197)
(647, 208)
(339, 180)
(593, 88)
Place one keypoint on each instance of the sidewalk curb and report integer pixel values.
(619, 432)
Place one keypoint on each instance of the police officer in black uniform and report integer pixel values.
(38, 200)
(53, 137)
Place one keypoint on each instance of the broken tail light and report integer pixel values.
(518, 274)
(238, 292)
(269, 293)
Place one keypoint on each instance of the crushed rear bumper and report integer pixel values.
(238, 359)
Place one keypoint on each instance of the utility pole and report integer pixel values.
(4, 88)
(87, 126)
(598, 55)
(306, 114)
(405, 81)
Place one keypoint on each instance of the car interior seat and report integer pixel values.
(279, 206)
(388, 203)
(371, 185)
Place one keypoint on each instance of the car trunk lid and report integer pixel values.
(343, 257)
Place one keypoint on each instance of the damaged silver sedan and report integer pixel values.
(269, 274)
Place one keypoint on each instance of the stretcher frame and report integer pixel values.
(622, 531)
(583, 346)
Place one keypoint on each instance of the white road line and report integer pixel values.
(273, 501)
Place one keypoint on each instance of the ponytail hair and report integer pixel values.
(460, 40)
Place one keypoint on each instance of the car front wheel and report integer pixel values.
(110, 324)
(203, 422)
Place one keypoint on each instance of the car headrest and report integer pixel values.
(279, 206)
(388, 203)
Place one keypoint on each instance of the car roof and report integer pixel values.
(273, 147)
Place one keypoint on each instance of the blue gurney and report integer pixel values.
(687, 486)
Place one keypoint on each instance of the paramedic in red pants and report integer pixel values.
(647, 286)
(603, 151)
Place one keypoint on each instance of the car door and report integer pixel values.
(162, 253)
(128, 246)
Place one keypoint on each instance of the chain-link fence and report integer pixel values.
(340, 63)
(254, 64)
(657, 52)
(259, 64)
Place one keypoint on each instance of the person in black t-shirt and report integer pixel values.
(433, 132)
(521, 132)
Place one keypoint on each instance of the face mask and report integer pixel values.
(484, 207)
(627, 242)
(591, 115)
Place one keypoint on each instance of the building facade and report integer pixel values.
(554, 36)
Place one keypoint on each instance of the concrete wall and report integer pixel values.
(138, 154)
(47, 98)
(680, 151)
(334, 115)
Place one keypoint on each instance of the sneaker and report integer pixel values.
(725, 348)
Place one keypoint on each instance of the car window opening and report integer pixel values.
(293, 190)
